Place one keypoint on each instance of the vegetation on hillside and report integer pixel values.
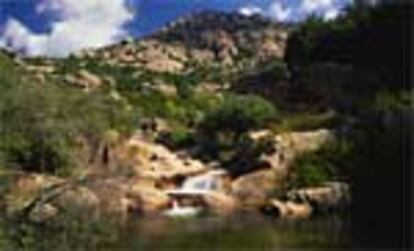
(54, 128)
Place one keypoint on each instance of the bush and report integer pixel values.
(50, 128)
(332, 162)
(222, 133)
(238, 114)
(178, 138)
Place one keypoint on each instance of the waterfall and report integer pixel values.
(201, 183)
(193, 187)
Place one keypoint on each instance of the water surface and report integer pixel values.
(238, 232)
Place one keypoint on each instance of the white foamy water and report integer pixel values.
(193, 186)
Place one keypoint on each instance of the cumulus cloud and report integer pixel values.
(331, 14)
(328, 9)
(274, 10)
(250, 10)
(277, 12)
(309, 6)
(76, 25)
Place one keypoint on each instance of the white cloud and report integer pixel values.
(250, 10)
(77, 25)
(274, 10)
(309, 6)
(328, 9)
(277, 12)
(331, 14)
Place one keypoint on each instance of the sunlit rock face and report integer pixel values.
(206, 38)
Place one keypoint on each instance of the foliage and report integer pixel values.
(239, 114)
(332, 162)
(43, 126)
(66, 235)
(178, 138)
(353, 39)
(186, 112)
(388, 101)
(8, 73)
(223, 132)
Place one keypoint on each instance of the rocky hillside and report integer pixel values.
(202, 41)
(202, 38)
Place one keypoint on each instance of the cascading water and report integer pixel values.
(192, 187)
(200, 184)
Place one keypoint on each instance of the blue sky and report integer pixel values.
(60, 27)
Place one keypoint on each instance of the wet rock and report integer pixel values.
(287, 209)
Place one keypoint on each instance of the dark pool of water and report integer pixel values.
(238, 232)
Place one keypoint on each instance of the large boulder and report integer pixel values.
(77, 203)
(19, 189)
(331, 196)
(112, 194)
(148, 200)
(155, 161)
(220, 203)
(253, 189)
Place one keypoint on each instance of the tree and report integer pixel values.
(223, 132)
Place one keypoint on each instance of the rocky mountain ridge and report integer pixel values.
(204, 39)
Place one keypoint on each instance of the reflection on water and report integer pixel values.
(240, 232)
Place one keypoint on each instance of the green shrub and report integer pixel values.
(223, 132)
(51, 128)
(387, 101)
(331, 162)
(177, 139)
(239, 114)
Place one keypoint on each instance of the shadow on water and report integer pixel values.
(236, 232)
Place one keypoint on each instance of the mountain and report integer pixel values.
(226, 39)
(208, 49)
